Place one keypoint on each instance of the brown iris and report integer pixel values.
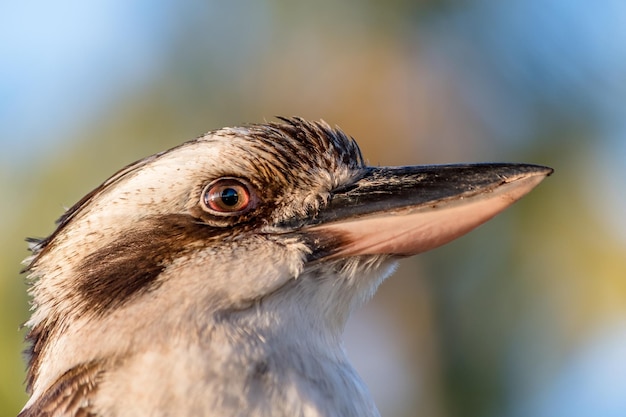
(228, 196)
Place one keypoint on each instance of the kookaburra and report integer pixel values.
(216, 278)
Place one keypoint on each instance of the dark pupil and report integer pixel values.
(229, 196)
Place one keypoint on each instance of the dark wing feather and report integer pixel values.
(71, 395)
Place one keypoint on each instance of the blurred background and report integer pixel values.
(524, 317)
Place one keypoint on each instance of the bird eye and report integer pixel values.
(228, 196)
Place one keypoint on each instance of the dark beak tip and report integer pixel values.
(542, 169)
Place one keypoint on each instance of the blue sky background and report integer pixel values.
(66, 61)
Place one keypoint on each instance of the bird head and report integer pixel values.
(280, 224)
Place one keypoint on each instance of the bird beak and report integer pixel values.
(403, 211)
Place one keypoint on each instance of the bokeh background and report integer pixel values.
(524, 317)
